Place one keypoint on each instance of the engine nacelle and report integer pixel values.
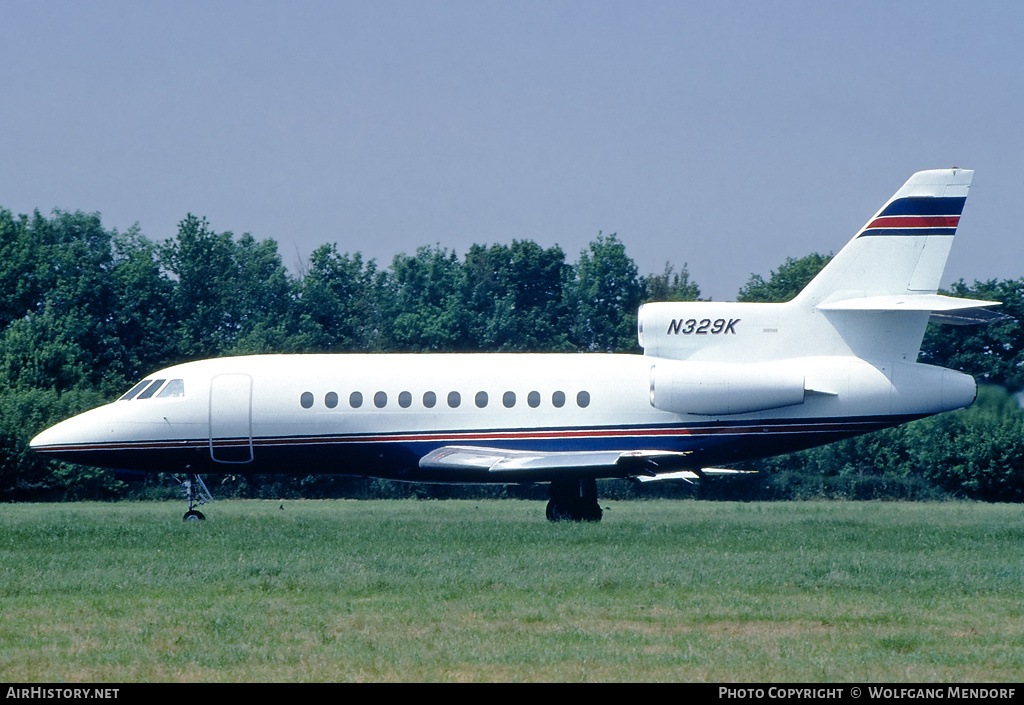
(718, 389)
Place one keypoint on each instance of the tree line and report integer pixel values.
(85, 312)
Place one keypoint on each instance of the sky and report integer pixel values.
(725, 136)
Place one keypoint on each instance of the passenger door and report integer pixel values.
(231, 418)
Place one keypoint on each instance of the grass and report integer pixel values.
(490, 591)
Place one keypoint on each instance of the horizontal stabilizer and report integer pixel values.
(907, 302)
(945, 310)
(968, 317)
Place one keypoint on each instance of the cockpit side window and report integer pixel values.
(174, 389)
(130, 394)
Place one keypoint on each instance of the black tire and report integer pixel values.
(573, 500)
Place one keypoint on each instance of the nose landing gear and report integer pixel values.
(196, 493)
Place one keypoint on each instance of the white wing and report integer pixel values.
(527, 462)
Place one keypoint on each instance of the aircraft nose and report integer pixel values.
(53, 438)
(42, 440)
(70, 435)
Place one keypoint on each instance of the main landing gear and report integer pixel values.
(195, 493)
(574, 500)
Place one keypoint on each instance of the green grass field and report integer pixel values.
(490, 591)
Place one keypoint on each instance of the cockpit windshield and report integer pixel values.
(149, 387)
(130, 394)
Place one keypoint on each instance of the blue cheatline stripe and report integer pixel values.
(907, 231)
(925, 205)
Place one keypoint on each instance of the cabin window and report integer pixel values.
(151, 389)
(174, 389)
(130, 394)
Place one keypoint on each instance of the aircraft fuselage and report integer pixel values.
(378, 415)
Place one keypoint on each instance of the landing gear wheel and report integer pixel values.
(195, 492)
(574, 500)
(555, 512)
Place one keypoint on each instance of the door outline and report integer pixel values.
(230, 419)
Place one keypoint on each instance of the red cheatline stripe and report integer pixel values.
(915, 221)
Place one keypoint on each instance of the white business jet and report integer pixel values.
(718, 383)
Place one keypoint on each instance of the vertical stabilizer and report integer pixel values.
(902, 250)
(878, 292)
(873, 300)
